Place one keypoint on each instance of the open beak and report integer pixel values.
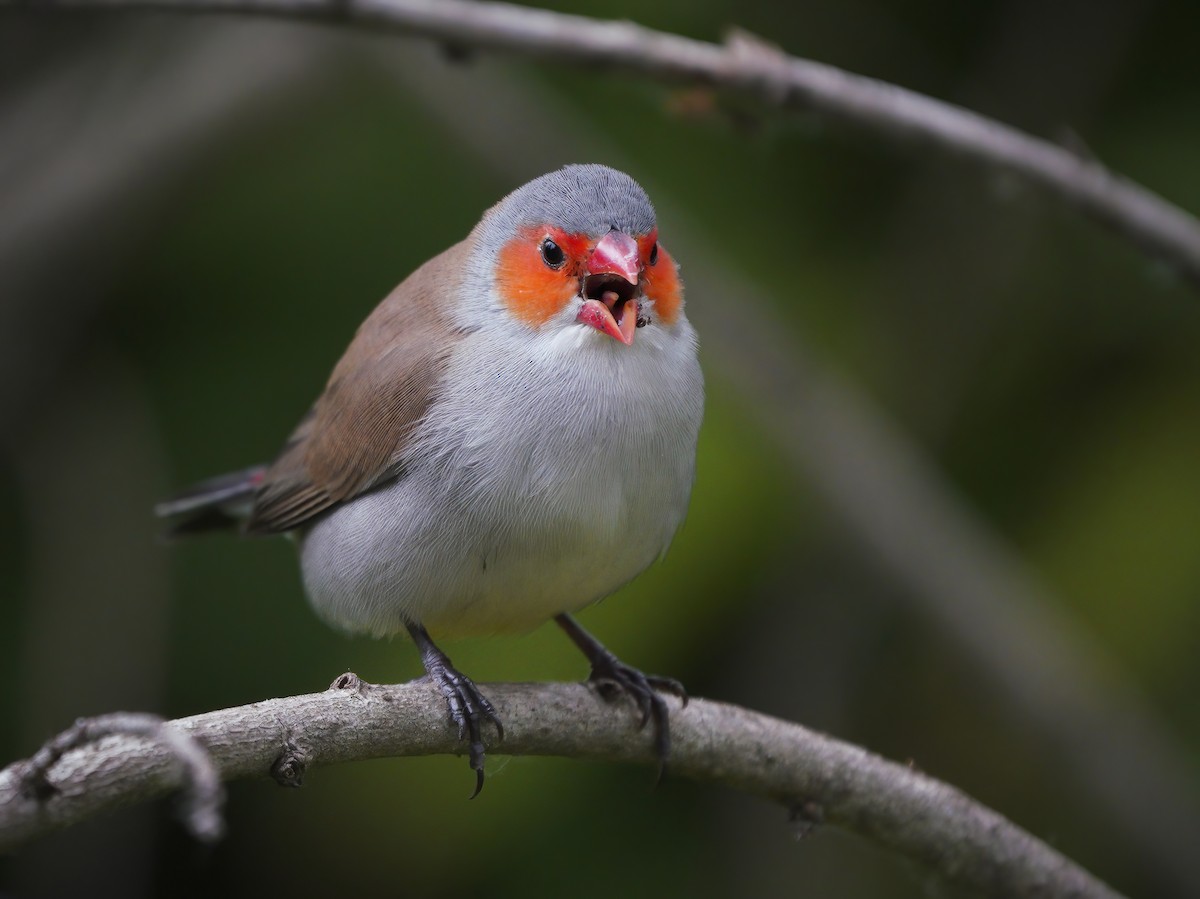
(611, 281)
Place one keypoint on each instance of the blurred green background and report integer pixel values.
(196, 213)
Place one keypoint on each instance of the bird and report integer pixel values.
(509, 437)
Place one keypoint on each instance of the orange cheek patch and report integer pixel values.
(533, 291)
(663, 286)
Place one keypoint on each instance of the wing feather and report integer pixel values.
(354, 435)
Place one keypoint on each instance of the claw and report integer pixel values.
(467, 705)
(643, 691)
(612, 677)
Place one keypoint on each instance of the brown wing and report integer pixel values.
(354, 434)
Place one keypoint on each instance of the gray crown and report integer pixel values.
(592, 199)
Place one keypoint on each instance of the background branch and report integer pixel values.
(817, 778)
(749, 66)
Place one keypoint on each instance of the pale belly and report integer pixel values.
(519, 502)
(479, 565)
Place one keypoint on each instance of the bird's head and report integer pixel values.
(578, 249)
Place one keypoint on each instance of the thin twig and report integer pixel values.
(202, 792)
(815, 777)
(751, 67)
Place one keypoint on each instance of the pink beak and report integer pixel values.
(609, 306)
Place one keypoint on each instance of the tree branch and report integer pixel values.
(201, 782)
(817, 778)
(751, 67)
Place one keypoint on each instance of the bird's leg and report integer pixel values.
(613, 677)
(468, 707)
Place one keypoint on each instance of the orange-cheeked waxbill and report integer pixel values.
(510, 436)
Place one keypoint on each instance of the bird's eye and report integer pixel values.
(552, 254)
(654, 254)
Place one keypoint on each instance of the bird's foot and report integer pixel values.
(613, 678)
(469, 708)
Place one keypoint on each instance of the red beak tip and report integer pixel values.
(600, 317)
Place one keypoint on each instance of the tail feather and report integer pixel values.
(217, 504)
